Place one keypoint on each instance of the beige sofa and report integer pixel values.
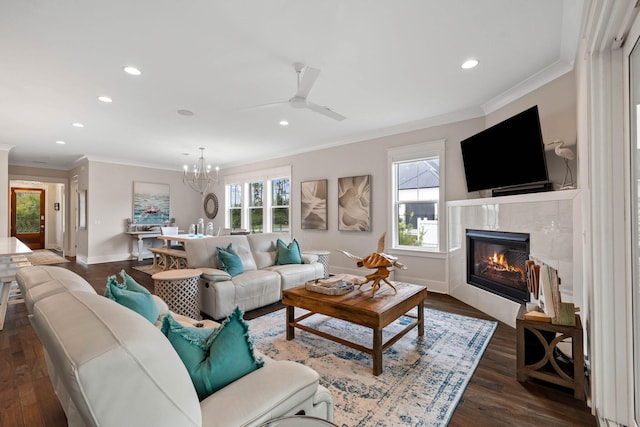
(261, 282)
(111, 367)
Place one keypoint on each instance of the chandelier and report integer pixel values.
(199, 177)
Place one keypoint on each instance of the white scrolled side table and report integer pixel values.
(323, 258)
(298, 421)
(180, 289)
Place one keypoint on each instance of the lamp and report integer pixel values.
(566, 154)
(199, 177)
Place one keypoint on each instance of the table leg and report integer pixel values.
(377, 352)
(140, 248)
(421, 318)
(290, 319)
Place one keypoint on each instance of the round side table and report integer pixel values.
(298, 421)
(180, 289)
(323, 258)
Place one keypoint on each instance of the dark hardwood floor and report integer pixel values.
(492, 398)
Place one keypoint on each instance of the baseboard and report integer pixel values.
(106, 258)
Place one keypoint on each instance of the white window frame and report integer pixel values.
(266, 176)
(408, 153)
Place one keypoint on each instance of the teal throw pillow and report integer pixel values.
(288, 254)
(231, 262)
(213, 357)
(133, 296)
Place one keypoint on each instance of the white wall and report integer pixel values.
(110, 203)
(557, 105)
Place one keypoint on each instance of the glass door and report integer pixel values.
(27, 216)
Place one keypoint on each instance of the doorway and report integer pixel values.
(27, 216)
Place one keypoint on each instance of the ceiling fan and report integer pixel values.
(306, 78)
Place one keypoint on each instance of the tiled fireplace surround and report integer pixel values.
(552, 220)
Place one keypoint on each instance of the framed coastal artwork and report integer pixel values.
(151, 203)
(313, 205)
(354, 203)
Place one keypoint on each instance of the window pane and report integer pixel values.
(417, 198)
(255, 193)
(236, 218)
(255, 217)
(27, 212)
(419, 174)
(235, 195)
(280, 192)
(280, 219)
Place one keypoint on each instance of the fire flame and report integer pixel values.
(499, 263)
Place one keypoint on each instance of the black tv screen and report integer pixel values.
(508, 154)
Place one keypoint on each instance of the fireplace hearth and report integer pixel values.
(496, 263)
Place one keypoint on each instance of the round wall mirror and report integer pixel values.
(211, 206)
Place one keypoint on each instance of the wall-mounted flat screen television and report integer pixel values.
(509, 156)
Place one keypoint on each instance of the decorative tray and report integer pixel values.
(340, 288)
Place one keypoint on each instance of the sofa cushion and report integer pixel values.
(297, 274)
(288, 254)
(231, 262)
(214, 357)
(202, 252)
(133, 296)
(263, 247)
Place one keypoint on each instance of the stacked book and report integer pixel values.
(544, 285)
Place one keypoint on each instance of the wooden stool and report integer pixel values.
(180, 289)
(537, 356)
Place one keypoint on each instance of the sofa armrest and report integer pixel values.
(309, 258)
(275, 390)
(214, 274)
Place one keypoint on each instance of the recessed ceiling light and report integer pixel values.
(132, 70)
(284, 123)
(105, 99)
(78, 125)
(469, 63)
(60, 142)
(187, 113)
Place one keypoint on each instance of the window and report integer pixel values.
(260, 201)
(417, 195)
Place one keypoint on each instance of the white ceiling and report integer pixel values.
(388, 66)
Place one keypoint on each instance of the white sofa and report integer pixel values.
(111, 367)
(260, 284)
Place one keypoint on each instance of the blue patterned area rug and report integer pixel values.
(422, 380)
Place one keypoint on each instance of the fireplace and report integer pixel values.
(496, 263)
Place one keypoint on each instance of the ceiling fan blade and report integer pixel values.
(309, 77)
(260, 106)
(326, 111)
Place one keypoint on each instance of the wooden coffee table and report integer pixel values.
(359, 307)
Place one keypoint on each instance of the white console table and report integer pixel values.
(12, 256)
(140, 236)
